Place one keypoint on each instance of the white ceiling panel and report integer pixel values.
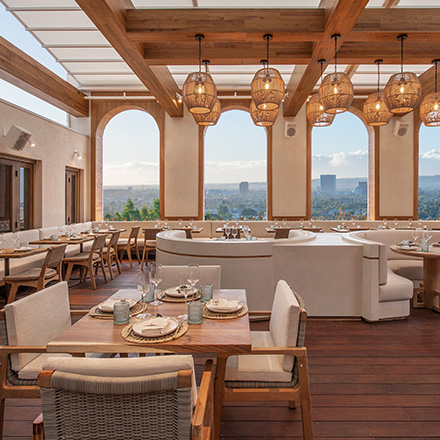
(118, 67)
(40, 3)
(87, 54)
(71, 38)
(107, 79)
(55, 19)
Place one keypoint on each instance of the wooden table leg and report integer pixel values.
(431, 279)
(219, 391)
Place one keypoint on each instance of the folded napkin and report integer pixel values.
(155, 326)
(223, 305)
(107, 306)
(180, 291)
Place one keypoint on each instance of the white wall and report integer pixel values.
(53, 152)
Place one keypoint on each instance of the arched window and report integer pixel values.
(131, 167)
(340, 169)
(235, 168)
(429, 172)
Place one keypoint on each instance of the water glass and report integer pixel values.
(121, 312)
(195, 312)
(206, 292)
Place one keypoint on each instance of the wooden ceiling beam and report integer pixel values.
(341, 21)
(19, 69)
(427, 80)
(109, 17)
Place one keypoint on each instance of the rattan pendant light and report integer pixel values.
(336, 91)
(403, 91)
(267, 87)
(430, 106)
(315, 111)
(263, 118)
(199, 90)
(210, 118)
(376, 112)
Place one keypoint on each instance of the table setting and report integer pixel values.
(224, 309)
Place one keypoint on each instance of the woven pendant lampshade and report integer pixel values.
(316, 114)
(336, 90)
(267, 87)
(263, 118)
(199, 90)
(430, 106)
(376, 112)
(403, 91)
(210, 118)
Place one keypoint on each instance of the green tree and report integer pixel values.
(129, 212)
(145, 213)
(155, 210)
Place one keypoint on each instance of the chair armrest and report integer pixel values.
(260, 313)
(8, 349)
(202, 422)
(37, 428)
(79, 312)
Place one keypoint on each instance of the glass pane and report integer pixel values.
(72, 198)
(5, 197)
(25, 197)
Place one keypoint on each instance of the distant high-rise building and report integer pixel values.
(244, 188)
(328, 183)
(361, 189)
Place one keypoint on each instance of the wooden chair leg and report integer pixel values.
(109, 265)
(143, 257)
(38, 429)
(2, 416)
(118, 265)
(129, 256)
(68, 271)
(137, 253)
(92, 279)
(101, 263)
(13, 292)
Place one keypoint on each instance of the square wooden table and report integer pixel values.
(79, 239)
(224, 337)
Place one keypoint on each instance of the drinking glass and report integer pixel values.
(183, 279)
(195, 312)
(396, 223)
(384, 221)
(155, 278)
(234, 231)
(415, 235)
(180, 222)
(409, 222)
(353, 222)
(143, 287)
(276, 222)
(284, 223)
(227, 231)
(301, 223)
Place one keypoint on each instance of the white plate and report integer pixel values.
(24, 248)
(407, 248)
(170, 328)
(215, 309)
(172, 291)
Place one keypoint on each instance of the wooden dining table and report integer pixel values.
(79, 239)
(431, 272)
(224, 337)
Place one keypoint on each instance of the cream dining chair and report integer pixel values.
(276, 369)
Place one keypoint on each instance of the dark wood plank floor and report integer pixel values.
(368, 381)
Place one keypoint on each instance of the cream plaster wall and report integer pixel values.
(289, 168)
(53, 152)
(396, 171)
(181, 180)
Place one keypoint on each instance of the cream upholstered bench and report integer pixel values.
(388, 278)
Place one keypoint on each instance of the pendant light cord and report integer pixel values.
(401, 55)
(336, 54)
(378, 76)
(435, 77)
(200, 54)
(267, 50)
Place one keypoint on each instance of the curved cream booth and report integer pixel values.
(324, 269)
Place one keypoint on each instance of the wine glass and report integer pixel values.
(396, 223)
(16, 240)
(427, 234)
(284, 223)
(409, 222)
(234, 231)
(227, 231)
(415, 235)
(193, 275)
(301, 223)
(143, 286)
(155, 278)
(183, 280)
(384, 221)
(180, 222)
(353, 222)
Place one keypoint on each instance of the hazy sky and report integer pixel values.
(235, 149)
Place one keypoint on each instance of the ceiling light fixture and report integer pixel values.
(430, 106)
(211, 118)
(77, 154)
(199, 90)
(263, 118)
(267, 87)
(403, 90)
(376, 112)
(315, 111)
(336, 91)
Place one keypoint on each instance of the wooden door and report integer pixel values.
(72, 196)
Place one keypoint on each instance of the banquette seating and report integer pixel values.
(388, 278)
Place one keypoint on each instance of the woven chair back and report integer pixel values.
(150, 234)
(114, 239)
(55, 255)
(134, 233)
(98, 244)
(153, 407)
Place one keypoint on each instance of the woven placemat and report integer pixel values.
(128, 334)
(96, 312)
(214, 315)
(178, 299)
